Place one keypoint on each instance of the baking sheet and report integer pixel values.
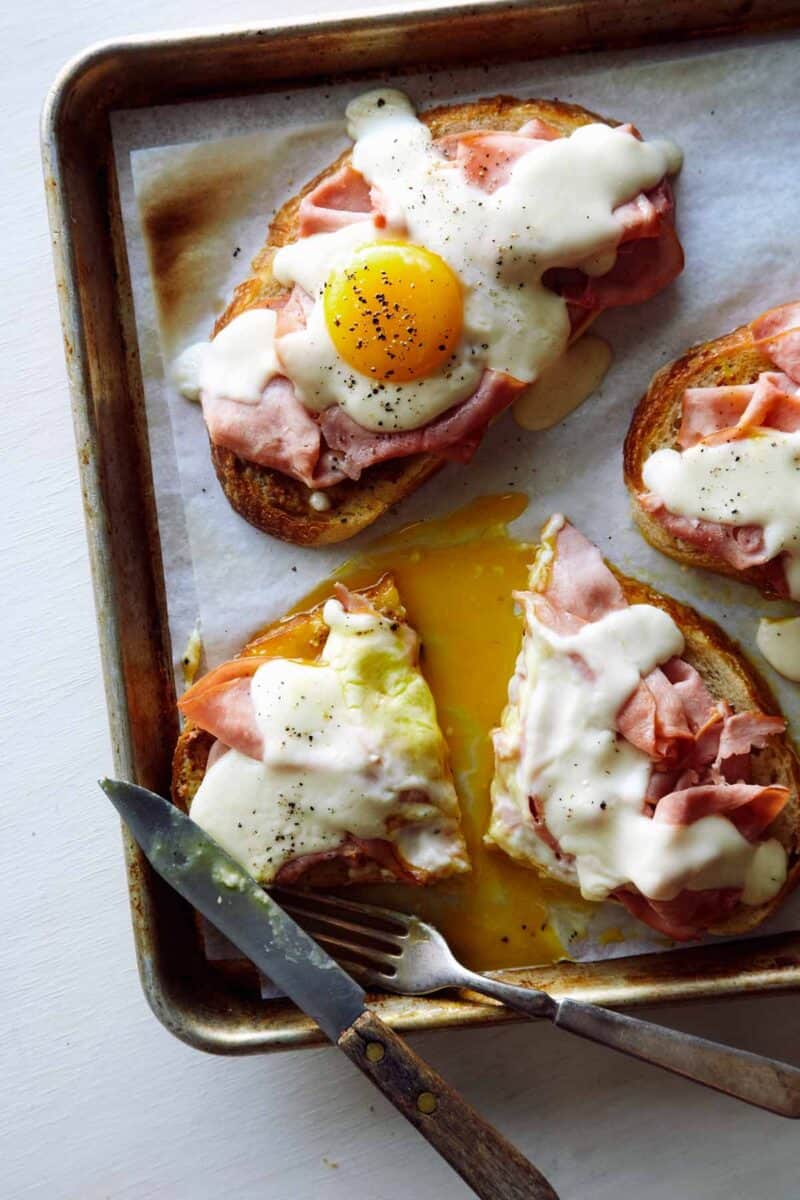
(200, 181)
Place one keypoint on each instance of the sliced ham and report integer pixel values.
(276, 431)
(355, 853)
(748, 806)
(687, 915)
(741, 546)
(698, 703)
(777, 332)
(339, 200)
(773, 402)
(221, 704)
(580, 582)
(643, 267)
(455, 434)
(744, 731)
(772, 405)
(487, 159)
(644, 216)
(654, 720)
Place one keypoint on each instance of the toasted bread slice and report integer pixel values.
(281, 505)
(299, 637)
(729, 676)
(732, 359)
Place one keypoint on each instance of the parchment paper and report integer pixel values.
(199, 183)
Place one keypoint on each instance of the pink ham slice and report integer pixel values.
(740, 545)
(685, 917)
(340, 200)
(221, 704)
(777, 332)
(700, 748)
(748, 806)
(773, 401)
(456, 434)
(643, 267)
(276, 431)
(356, 853)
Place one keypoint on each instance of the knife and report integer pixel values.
(220, 888)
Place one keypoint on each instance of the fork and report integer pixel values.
(401, 953)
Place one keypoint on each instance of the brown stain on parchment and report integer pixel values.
(189, 212)
(192, 206)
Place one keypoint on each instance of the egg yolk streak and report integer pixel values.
(456, 576)
(394, 312)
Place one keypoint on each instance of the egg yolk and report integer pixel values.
(394, 312)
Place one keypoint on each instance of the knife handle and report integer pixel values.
(493, 1168)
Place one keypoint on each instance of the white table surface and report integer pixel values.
(99, 1101)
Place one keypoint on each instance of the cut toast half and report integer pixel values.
(275, 502)
(302, 637)
(732, 359)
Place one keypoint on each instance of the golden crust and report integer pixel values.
(279, 504)
(732, 359)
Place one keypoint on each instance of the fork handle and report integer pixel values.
(757, 1080)
(490, 1165)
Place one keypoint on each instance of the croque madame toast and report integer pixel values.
(735, 359)
(705, 758)
(274, 501)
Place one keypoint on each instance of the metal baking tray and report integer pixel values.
(214, 1008)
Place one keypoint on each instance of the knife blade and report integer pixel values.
(228, 896)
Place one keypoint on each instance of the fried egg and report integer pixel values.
(414, 303)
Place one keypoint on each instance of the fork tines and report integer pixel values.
(360, 935)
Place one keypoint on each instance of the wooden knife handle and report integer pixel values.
(493, 1168)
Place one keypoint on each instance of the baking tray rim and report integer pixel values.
(769, 964)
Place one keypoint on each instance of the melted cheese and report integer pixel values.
(564, 385)
(751, 481)
(558, 743)
(779, 642)
(238, 363)
(351, 746)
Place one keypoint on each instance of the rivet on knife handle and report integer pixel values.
(493, 1168)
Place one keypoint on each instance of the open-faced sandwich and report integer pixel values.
(409, 294)
(712, 458)
(640, 757)
(316, 756)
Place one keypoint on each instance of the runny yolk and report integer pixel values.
(394, 312)
(456, 575)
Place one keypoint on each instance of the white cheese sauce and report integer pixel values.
(351, 746)
(558, 743)
(754, 480)
(564, 385)
(557, 209)
(779, 642)
(238, 364)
